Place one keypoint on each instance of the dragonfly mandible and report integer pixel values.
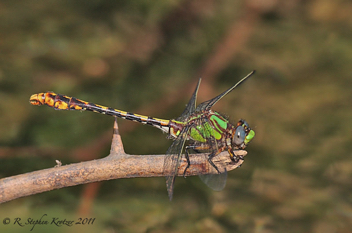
(204, 129)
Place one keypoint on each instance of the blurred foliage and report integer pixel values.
(136, 55)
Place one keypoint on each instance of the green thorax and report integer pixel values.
(203, 126)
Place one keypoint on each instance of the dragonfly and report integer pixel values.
(204, 130)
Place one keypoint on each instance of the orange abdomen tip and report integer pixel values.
(36, 99)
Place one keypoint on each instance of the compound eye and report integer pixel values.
(239, 136)
(245, 124)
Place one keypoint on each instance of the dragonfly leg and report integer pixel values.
(234, 157)
(199, 149)
(211, 156)
(240, 157)
(188, 162)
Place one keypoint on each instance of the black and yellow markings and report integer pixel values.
(38, 99)
(62, 102)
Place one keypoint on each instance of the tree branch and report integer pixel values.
(116, 165)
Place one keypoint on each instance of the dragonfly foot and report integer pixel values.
(212, 164)
(236, 159)
(184, 172)
(188, 161)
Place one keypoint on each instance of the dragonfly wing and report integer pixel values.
(215, 181)
(191, 106)
(208, 104)
(172, 160)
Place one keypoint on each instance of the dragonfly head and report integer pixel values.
(243, 134)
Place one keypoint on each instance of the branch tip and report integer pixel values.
(116, 144)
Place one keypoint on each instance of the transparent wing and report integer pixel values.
(216, 181)
(172, 160)
(191, 106)
(208, 104)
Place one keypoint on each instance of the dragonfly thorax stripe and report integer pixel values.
(219, 122)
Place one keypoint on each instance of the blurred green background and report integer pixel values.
(146, 57)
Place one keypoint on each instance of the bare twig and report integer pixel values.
(115, 166)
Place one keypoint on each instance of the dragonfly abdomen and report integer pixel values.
(62, 102)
